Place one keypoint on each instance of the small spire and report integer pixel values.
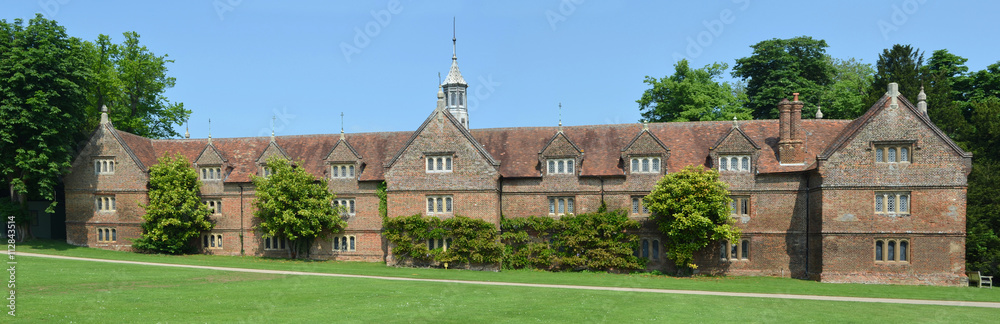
(736, 124)
(272, 127)
(209, 131)
(187, 129)
(341, 125)
(560, 117)
(104, 114)
(922, 101)
(454, 41)
(819, 112)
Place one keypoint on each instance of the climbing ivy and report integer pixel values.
(470, 242)
(598, 241)
(383, 204)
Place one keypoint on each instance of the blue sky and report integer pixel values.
(240, 62)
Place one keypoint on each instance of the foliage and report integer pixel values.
(291, 204)
(383, 200)
(846, 96)
(900, 64)
(692, 95)
(175, 214)
(691, 207)
(779, 67)
(43, 79)
(132, 81)
(597, 242)
(469, 241)
(947, 85)
(982, 246)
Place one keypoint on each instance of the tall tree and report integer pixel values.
(43, 80)
(292, 205)
(946, 82)
(692, 210)
(779, 67)
(900, 64)
(692, 95)
(846, 96)
(175, 214)
(132, 81)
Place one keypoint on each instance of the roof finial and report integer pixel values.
(645, 125)
(104, 114)
(454, 41)
(560, 117)
(922, 101)
(209, 131)
(187, 129)
(341, 125)
(736, 124)
(819, 112)
(273, 117)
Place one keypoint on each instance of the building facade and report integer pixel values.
(878, 199)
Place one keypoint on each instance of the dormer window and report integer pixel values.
(104, 166)
(266, 171)
(437, 164)
(211, 173)
(342, 171)
(738, 163)
(647, 164)
(897, 153)
(561, 166)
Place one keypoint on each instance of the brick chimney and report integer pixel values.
(790, 147)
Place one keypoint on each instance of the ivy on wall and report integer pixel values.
(598, 241)
(458, 240)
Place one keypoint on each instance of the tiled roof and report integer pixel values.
(454, 76)
(516, 149)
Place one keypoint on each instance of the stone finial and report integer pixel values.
(341, 125)
(922, 101)
(187, 130)
(893, 91)
(736, 123)
(560, 117)
(819, 112)
(440, 99)
(645, 125)
(104, 114)
(209, 131)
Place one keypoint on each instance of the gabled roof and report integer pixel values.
(855, 126)
(343, 141)
(738, 132)
(210, 148)
(465, 132)
(132, 144)
(637, 136)
(558, 135)
(269, 146)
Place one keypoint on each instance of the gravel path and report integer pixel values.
(513, 284)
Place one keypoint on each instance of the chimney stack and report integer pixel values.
(790, 147)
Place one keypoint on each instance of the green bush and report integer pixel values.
(470, 241)
(597, 242)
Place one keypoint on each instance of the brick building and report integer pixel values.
(878, 199)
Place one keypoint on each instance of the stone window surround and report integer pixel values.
(344, 243)
(439, 243)
(439, 162)
(343, 171)
(638, 207)
(898, 249)
(440, 204)
(740, 206)
(211, 241)
(107, 234)
(210, 172)
(725, 162)
(560, 166)
(649, 249)
(562, 205)
(214, 204)
(104, 165)
(735, 252)
(883, 146)
(645, 164)
(104, 203)
(893, 202)
(348, 205)
(275, 244)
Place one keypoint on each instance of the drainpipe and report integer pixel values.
(808, 193)
(242, 251)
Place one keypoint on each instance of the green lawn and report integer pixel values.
(82, 291)
(732, 284)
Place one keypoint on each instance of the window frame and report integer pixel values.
(638, 207)
(107, 234)
(105, 203)
(210, 173)
(344, 243)
(734, 163)
(561, 166)
(439, 204)
(439, 243)
(214, 205)
(104, 166)
(349, 205)
(739, 206)
(901, 253)
(279, 244)
(343, 171)
(646, 164)
(735, 252)
(562, 205)
(440, 163)
(900, 152)
(883, 201)
(209, 241)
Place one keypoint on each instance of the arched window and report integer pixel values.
(746, 163)
(878, 250)
(904, 248)
(645, 248)
(724, 164)
(656, 249)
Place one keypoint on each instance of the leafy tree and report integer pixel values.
(779, 67)
(293, 205)
(692, 95)
(982, 246)
(985, 83)
(43, 79)
(691, 208)
(900, 64)
(846, 96)
(175, 214)
(947, 84)
(131, 80)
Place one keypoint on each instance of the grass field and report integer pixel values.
(81, 291)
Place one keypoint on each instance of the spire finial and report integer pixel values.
(736, 124)
(187, 129)
(922, 101)
(273, 117)
(645, 125)
(209, 131)
(104, 114)
(341, 125)
(454, 41)
(560, 117)
(819, 112)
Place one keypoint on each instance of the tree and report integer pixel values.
(43, 79)
(175, 214)
(900, 64)
(982, 247)
(780, 67)
(846, 96)
(292, 205)
(131, 80)
(692, 95)
(691, 208)
(947, 85)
